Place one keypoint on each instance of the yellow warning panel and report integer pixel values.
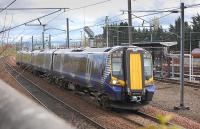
(136, 78)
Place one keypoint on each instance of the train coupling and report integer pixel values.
(136, 98)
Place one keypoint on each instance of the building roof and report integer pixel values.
(153, 44)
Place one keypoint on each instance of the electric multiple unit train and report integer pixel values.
(120, 76)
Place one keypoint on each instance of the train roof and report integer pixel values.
(83, 50)
(86, 50)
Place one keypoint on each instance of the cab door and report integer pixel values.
(135, 71)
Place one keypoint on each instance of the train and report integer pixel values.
(118, 77)
(196, 53)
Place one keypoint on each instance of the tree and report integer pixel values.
(175, 34)
(116, 32)
(195, 28)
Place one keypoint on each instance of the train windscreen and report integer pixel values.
(148, 68)
(117, 69)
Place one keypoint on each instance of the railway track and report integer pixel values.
(52, 103)
(173, 81)
(152, 118)
(143, 120)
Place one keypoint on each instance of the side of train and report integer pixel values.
(119, 76)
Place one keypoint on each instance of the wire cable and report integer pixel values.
(88, 26)
(54, 18)
(9, 30)
(101, 2)
(14, 9)
(5, 8)
(141, 19)
(193, 5)
(30, 21)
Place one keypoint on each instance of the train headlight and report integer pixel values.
(149, 82)
(114, 82)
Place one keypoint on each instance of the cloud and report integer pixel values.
(86, 16)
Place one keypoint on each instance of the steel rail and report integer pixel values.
(131, 121)
(173, 81)
(26, 89)
(145, 116)
(150, 117)
(141, 114)
(39, 90)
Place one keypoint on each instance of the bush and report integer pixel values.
(163, 120)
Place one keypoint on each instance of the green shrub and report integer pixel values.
(163, 120)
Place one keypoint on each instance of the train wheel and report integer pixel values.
(50, 79)
(56, 81)
(60, 83)
(66, 85)
(71, 86)
(104, 101)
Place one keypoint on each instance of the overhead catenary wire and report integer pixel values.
(150, 11)
(164, 16)
(5, 8)
(170, 9)
(62, 8)
(15, 9)
(124, 20)
(146, 15)
(121, 20)
(88, 26)
(101, 2)
(8, 35)
(30, 21)
(192, 6)
(141, 18)
(54, 17)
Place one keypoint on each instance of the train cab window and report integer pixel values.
(117, 65)
(148, 68)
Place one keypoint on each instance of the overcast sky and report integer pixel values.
(79, 18)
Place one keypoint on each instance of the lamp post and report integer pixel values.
(182, 40)
(129, 22)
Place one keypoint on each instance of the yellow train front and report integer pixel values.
(128, 79)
